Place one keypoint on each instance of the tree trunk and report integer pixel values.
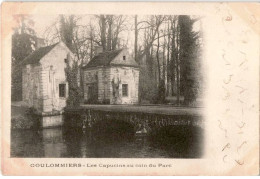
(164, 46)
(91, 46)
(103, 31)
(136, 38)
(109, 35)
(178, 66)
(168, 63)
(173, 57)
(157, 56)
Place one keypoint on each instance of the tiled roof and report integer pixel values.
(105, 59)
(37, 55)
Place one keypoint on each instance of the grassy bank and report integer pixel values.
(23, 118)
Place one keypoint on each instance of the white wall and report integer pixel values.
(126, 75)
(118, 72)
(32, 86)
(53, 76)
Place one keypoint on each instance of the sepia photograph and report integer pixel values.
(130, 88)
(107, 86)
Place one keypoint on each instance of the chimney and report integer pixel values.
(40, 42)
(98, 50)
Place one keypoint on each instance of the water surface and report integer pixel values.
(170, 142)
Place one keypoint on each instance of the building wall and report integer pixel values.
(104, 90)
(53, 74)
(41, 81)
(120, 76)
(110, 79)
(90, 77)
(32, 86)
(119, 60)
(100, 77)
(107, 79)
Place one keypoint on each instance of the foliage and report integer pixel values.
(67, 27)
(24, 118)
(72, 70)
(75, 92)
(147, 87)
(161, 92)
(189, 56)
(23, 44)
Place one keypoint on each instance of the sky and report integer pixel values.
(42, 22)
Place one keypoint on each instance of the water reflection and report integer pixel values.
(61, 142)
(53, 142)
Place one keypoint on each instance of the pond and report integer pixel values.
(61, 142)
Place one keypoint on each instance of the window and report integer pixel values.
(62, 90)
(90, 90)
(125, 89)
(123, 57)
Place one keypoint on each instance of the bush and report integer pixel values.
(75, 93)
(28, 120)
(160, 98)
(147, 87)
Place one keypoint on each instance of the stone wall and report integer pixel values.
(90, 77)
(108, 78)
(104, 91)
(51, 121)
(124, 75)
(32, 86)
(53, 74)
(152, 121)
(41, 81)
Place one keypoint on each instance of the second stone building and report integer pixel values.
(111, 77)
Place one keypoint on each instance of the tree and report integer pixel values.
(69, 36)
(165, 47)
(136, 38)
(103, 26)
(110, 27)
(189, 55)
(23, 44)
(67, 28)
(150, 86)
(75, 92)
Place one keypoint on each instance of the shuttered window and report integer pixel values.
(62, 90)
(125, 89)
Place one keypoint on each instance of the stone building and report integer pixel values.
(44, 82)
(111, 77)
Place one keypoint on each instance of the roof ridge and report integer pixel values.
(105, 59)
(38, 54)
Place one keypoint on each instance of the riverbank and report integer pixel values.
(23, 118)
(150, 109)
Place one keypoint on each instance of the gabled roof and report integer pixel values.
(37, 55)
(105, 59)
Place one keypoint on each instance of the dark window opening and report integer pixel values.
(62, 90)
(125, 89)
(123, 57)
(91, 91)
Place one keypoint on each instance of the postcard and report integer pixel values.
(129, 88)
